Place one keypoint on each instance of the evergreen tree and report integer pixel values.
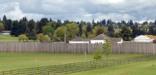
(31, 30)
(126, 33)
(42, 23)
(111, 31)
(5, 22)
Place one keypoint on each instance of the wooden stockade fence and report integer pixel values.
(134, 47)
(61, 47)
(56, 47)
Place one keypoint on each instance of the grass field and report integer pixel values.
(8, 38)
(137, 68)
(9, 61)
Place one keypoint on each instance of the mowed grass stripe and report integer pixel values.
(146, 67)
(73, 67)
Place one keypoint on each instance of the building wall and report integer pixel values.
(78, 42)
(143, 38)
(97, 41)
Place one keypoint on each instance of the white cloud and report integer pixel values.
(108, 1)
(16, 13)
(79, 9)
(113, 16)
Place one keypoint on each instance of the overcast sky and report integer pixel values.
(80, 9)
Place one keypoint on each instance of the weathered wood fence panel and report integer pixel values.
(133, 47)
(56, 47)
(60, 47)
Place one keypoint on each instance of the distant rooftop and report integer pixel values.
(151, 36)
(5, 31)
(100, 37)
(79, 39)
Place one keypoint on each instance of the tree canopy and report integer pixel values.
(59, 30)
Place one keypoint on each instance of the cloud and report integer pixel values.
(113, 16)
(108, 1)
(79, 9)
(14, 12)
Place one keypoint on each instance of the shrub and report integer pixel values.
(43, 38)
(97, 54)
(107, 48)
(2, 27)
(23, 38)
(46, 38)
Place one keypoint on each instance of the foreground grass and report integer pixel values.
(9, 61)
(137, 68)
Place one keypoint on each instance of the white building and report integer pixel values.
(100, 39)
(79, 40)
(144, 38)
(5, 32)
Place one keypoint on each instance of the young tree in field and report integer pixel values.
(107, 48)
(98, 54)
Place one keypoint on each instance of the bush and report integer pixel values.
(46, 38)
(43, 38)
(98, 54)
(2, 27)
(23, 38)
(107, 48)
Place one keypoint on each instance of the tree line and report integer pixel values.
(57, 30)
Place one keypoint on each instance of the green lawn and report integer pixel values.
(8, 38)
(9, 61)
(138, 68)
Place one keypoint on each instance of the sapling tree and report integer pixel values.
(107, 48)
(98, 54)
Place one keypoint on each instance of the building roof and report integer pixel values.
(146, 36)
(115, 39)
(79, 39)
(5, 31)
(100, 37)
(151, 36)
(143, 38)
